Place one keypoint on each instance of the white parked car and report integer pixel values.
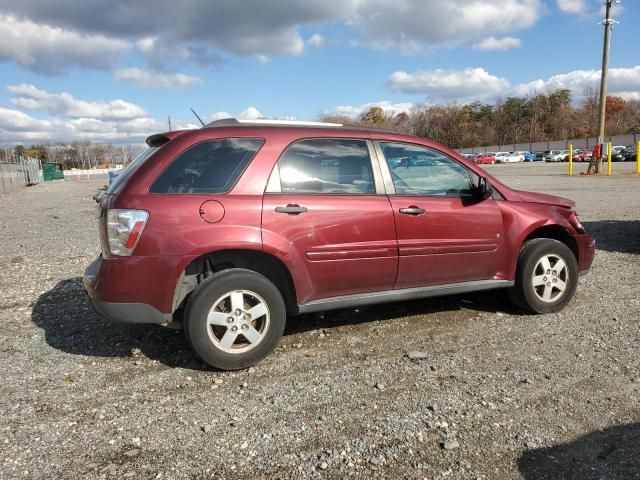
(516, 157)
(502, 157)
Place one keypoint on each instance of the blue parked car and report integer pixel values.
(529, 157)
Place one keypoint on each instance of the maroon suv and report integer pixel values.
(236, 225)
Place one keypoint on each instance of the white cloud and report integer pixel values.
(355, 111)
(17, 126)
(572, 6)
(498, 44)
(409, 25)
(51, 50)
(623, 82)
(449, 85)
(31, 98)
(144, 78)
(200, 27)
(207, 30)
(249, 113)
(316, 41)
(477, 84)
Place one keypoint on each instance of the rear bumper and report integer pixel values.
(99, 279)
(131, 312)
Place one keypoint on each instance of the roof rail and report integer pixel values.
(230, 122)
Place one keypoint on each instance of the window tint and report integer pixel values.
(421, 171)
(213, 166)
(327, 166)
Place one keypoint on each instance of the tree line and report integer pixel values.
(535, 118)
(84, 155)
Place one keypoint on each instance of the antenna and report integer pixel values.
(169, 122)
(197, 116)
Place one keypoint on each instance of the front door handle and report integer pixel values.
(412, 210)
(291, 209)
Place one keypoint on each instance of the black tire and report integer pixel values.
(525, 295)
(201, 335)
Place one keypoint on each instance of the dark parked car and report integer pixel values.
(237, 226)
(629, 153)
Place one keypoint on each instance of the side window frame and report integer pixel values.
(386, 172)
(274, 184)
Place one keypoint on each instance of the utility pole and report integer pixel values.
(608, 24)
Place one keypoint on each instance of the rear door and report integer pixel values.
(325, 207)
(445, 234)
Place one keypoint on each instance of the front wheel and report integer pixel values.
(546, 276)
(235, 319)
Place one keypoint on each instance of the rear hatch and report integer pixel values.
(105, 198)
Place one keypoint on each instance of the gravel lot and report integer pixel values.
(494, 394)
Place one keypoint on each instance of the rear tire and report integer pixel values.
(235, 319)
(546, 276)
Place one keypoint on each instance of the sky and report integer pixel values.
(115, 70)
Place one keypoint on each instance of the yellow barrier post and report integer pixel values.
(570, 159)
(638, 157)
(609, 159)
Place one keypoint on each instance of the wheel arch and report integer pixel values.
(202, 267)
(554, 232)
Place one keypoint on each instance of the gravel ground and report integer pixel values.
(462, 387)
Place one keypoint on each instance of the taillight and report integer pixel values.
(124, 229)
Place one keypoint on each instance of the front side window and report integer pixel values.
(417, 170)
(213, 166)
(330, 166)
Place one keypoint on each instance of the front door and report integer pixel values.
(325, 218)
(445, 233)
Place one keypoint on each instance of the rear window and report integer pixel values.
(213, 166)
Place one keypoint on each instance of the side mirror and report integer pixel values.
(484, 189)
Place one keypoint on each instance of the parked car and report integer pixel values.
(502, 157)
(233, 228)
(529, 156)
(539, 156)
(630, 153)
(515, 157)
(485, 159)
(554, 155)
(581, 155)
(617, 153)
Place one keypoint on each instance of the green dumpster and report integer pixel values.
(52, 171)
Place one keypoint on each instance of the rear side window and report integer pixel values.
(339, 166)
(213, 166)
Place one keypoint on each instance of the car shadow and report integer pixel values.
(612, 454)
(616, 235)
(71, 324)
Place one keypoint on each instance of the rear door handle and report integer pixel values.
(412, 210)
(291, 209)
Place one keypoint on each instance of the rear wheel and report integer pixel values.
(235, 319)
(546, 276)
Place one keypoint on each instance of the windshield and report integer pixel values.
(127, 171)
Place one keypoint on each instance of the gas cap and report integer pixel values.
(212, 211)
